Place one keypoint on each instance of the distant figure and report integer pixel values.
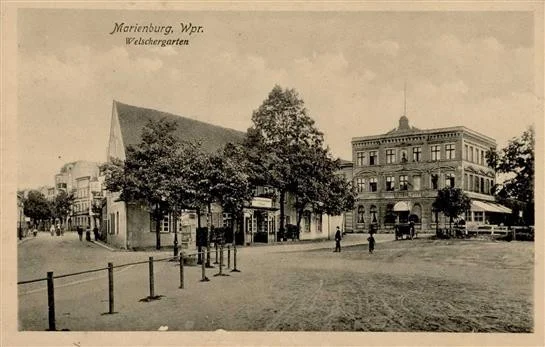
(80, 232)
(35, 231)
(338, 238)
(88, 233)
(95, 231)
(52, 230)
(58, 230)
(371, 240)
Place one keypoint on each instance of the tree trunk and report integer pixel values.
(299, 218)
(174, 228)
(158, 220)
(199, 248)
(282, 229)
(208, 223)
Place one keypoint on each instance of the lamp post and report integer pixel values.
(175, 227)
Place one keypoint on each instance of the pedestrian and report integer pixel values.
(88, 233)
(338, 238)
(371, 241)
(80, 232)
(95, 231)
(52, 230)
(35, 231)
(58, 230)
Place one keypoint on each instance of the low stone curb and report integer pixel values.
(104, 246)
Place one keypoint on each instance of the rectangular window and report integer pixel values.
(449, 180)
(390, 183)
(471, 183)
(318, 222)
(482, 185)
(373, 184)
(373, 159)
(477, 189)
(306, 218)
(390, 156)
(466, 147)
(482, 158)
(470, 154)
(466, 178)
(435, 152)
(360, 158)
(417, 154)
(478, 216)
(360, 185)
(403, 182)
(450, 152)
(416, 182)
(434, 181)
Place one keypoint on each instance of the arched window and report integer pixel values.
(373, 211)
(361, 214)
(416, 213)
(389, 216)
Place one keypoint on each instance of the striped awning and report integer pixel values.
(483, 206)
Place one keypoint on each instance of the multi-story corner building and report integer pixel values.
(77, 178)
(397, 175)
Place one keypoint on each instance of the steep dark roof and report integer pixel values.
(132, 120)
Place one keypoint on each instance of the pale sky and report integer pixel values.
(461, 68)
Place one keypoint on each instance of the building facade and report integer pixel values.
(397, 175)
(130, 226)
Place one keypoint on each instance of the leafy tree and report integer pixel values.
(62, 205)
(146, 174)
(281, 129)
(517, 161)
(452, 202)
(37, 207)
(232, 186)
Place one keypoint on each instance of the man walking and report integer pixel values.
(338, 238)
(371, 240)
(80, 232)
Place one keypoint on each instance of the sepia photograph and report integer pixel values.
(323, 172)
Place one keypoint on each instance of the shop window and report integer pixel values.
(306, 219)
(318, 221)
(417, 153)
(390, 183)
(373, 184)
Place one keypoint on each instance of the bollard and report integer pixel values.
(182, 270)
(228, 256)
(203, 267)
(151, 283)
(216, 248)
(111, 287)
(51, 301)
(235, 260)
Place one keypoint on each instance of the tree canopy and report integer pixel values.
(452, 202)
(62, 205)
(517, 161)
(37, 207)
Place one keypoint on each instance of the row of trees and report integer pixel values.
(282, 149)
(40, 210)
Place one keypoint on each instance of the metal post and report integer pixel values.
(181, 270)
(235, 260)
(111, 287)
(151, 283)
(216, 249)
(228, 256)
(51, 301)
(203, 267)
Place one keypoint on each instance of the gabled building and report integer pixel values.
(397, 175)
(130, 226)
